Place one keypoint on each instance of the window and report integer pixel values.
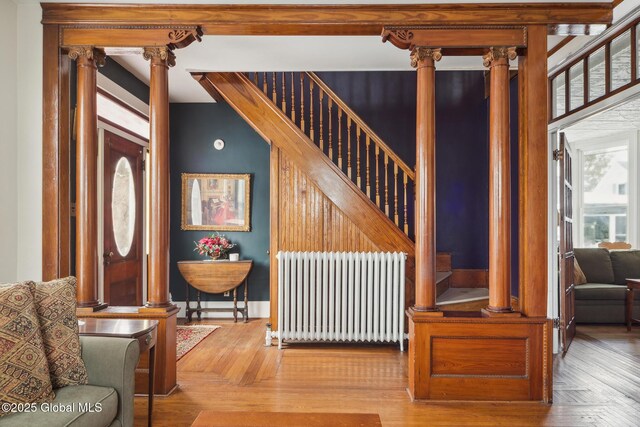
(116, 113)
(576, 85)
(621, 60)
(558, 96)
(605, 203)
(596, 74)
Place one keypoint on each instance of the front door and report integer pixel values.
(122, 256)
(567, 287)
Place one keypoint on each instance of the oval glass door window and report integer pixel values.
(123, 206)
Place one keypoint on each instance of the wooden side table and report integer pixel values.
(145, 331)
(216, 277)
(632, 285)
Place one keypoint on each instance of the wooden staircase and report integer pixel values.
(336, 150)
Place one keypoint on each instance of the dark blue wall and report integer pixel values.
(194, 127)
(387, 102)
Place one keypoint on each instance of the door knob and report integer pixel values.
(107, 257)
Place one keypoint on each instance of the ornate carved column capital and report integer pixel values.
(89, 53)
(420, 53)
(160, 53)
(498, 53)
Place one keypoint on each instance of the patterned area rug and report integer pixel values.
(190, 336)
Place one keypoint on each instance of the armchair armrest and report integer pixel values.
(111, 362)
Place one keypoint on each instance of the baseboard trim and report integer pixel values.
(257, 309)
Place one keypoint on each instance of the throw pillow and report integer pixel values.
(578, 275)
(24, 373)
(595, 264)
(626, 265)
(56, 306)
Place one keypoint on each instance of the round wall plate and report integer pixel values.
(218, 144)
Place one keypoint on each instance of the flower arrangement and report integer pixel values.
(214, 246)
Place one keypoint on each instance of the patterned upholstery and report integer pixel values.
(24, 373)
(56, 307)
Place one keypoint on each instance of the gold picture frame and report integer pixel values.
(216, 202)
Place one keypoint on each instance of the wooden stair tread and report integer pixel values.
(442, 275)
(462, 295)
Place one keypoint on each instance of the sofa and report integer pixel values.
(111, 364)
(601, 298)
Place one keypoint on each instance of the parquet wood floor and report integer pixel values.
(596, 384)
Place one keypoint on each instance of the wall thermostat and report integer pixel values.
(218, 144)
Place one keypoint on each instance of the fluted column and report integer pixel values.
(161, 58)
(87, 60)
(423, 59)
(497, 59)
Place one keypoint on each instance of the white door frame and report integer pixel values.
(553, 308)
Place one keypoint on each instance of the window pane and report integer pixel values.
(638, 51)
(596, 74)
(621, 60)
(605, 199)
(576, 85)
(123, 206)
(558, 96)
(116, 113)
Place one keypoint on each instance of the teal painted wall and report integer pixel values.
(194, 127)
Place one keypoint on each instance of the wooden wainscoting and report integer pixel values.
(475, 358)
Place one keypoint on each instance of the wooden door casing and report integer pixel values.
(567, 257)
(122, 273)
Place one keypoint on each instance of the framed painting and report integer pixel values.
(218, 202)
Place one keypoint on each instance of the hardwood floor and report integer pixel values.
(596, 384)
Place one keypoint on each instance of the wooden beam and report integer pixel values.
(446, 38)
(55, 159)
(323, 19)
(174, 37)
(533, 206)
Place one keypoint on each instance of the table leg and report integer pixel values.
(199, 312)
(187, 310)
(629, 307)
(235, 304)
(152, 365)
(245, 314)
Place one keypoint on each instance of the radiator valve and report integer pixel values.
(267, 337)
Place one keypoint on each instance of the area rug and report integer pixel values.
(190, 336)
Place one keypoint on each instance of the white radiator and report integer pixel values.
(341, 296)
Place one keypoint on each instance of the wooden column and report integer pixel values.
(161, 59)
(423, 59)
(497, 59)
(87, 59)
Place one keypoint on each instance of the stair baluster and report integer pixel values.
(321, 96)
(311, 135)
(330, 132)
(406, 221)
(293, 100)
(358, 181)
(327, 134)
(349, 146)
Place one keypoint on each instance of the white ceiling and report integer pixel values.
(622, 118)
(281, 53)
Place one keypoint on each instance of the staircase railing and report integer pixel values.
(345, 138)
